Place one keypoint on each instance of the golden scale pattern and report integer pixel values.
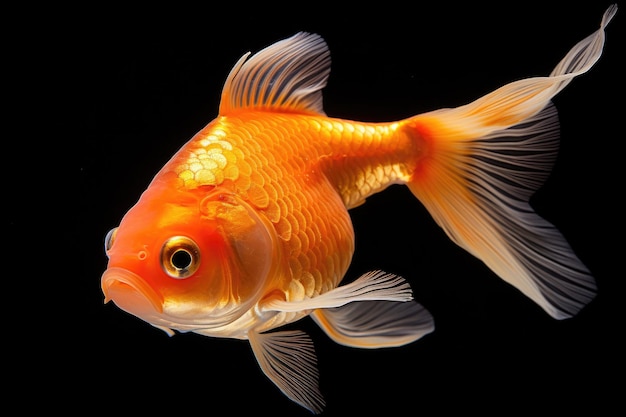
(283, 175)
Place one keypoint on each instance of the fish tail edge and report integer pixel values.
(480, 164)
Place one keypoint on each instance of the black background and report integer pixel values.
(122, 89)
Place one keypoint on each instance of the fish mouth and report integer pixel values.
(130, 292)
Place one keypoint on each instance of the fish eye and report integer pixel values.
(180, 257)
(109, 239)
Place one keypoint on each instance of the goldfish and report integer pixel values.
(247, 229)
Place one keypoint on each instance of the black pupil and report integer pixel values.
(181, 259)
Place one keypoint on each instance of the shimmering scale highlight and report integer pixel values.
(290, 168)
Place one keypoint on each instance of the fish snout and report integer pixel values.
(130, 292)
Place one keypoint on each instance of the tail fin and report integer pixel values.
(482, 163)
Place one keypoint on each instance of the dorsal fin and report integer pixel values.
(286, 76)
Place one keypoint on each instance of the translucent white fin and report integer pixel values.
(375, 324)
(288, 75)
(375, 285)
(289, 361)
(517, 101)
(483, 162)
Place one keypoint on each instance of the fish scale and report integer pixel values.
(301, 179)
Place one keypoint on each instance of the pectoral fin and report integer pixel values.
(375, 285)
(375, 324)
(288, 359)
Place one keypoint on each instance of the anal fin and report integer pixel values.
(375, 324)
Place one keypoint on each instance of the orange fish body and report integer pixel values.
(247, 228)
(267, 196)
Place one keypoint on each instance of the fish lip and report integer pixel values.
(124, 282)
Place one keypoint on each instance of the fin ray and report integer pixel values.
(517, 101)
(485, 161)
(375, 324)
(374, 285)
(288, 359)
(287, 75)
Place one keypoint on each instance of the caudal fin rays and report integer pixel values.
(485, 161)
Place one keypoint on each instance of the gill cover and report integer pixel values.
(249, 248)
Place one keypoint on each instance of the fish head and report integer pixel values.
(188, 261)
